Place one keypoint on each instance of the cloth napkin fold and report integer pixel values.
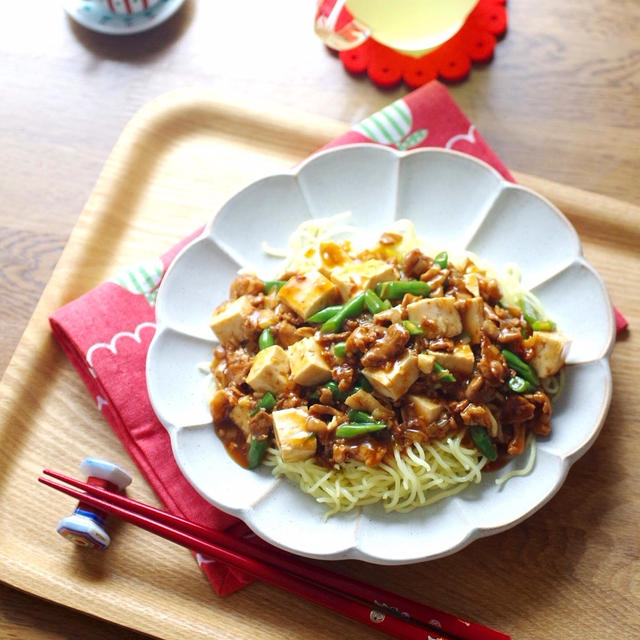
(107, 331)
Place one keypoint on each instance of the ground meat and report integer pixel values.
(542, 421)
(441, 344)
(238, 363)
(416, 263)
(517, 409)
(363, 337)
(489, 289)
(436, 278)
(492, 365)
(260, 424)
(245, 285)
(326, 396)
(223, 401)
(304, 332)
(367, 451)
(284, 333)
(344, 375)
(477, 414)
(324, 410)
(516, 444)
(429, 431)
(388, 347)
(289, 400)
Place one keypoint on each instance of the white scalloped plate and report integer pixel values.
(455, 201)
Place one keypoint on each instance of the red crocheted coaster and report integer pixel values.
(450, 62)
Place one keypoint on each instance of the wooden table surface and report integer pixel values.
(560, 100)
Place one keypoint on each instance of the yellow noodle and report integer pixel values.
(528, 467)
(402, 482)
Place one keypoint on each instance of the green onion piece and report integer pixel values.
(257, 451)
(325, 314)
(355, 415)
(338, 395)
(340, 349)
(543, 325)
(525, 370)
(520, 385)
(442, 259)
(350, 309)
(396, 289)
(482, 440)
(269, 285)
(444, 374)
(266, 339)
(315, 395)
(373, 302)
(412, 328)
(267, 403)
(353, 429)
(532, 318)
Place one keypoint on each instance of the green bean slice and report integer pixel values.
(266, 339)
(442, 259)
(525, 370)
(269, 285)
(338, 395)
(257, 451)
(360, 417)
(520, 385)
(374, 303)
(481, 439)
(325, 314)
(394, 289)
(412, 328)
(267, 403)
(443, 374)
(351, 309)
(353, 429)
(340, 349)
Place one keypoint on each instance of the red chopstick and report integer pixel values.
(344, 595)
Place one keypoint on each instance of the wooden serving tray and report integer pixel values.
(572, 565)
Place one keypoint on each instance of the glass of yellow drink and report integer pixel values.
(410, 26)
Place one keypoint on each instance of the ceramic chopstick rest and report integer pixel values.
(86, 525)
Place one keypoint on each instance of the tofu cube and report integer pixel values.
(293, 439)
(549, 352)
(270, 370)
(460, 361)
(307, 365)
(426, 362)
(308, 293)
(437, 316)
(356, 277)
(426, 408)
(392, 315)
(472, 318)
(227, 321)
(241, 414)
(394, 382)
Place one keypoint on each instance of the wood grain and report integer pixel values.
(560, 100)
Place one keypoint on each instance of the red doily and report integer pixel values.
(450, 62)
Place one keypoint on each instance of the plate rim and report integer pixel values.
(474, 531)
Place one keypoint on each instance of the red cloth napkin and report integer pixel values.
(106, 332)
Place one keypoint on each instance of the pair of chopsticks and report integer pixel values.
(395, 615)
